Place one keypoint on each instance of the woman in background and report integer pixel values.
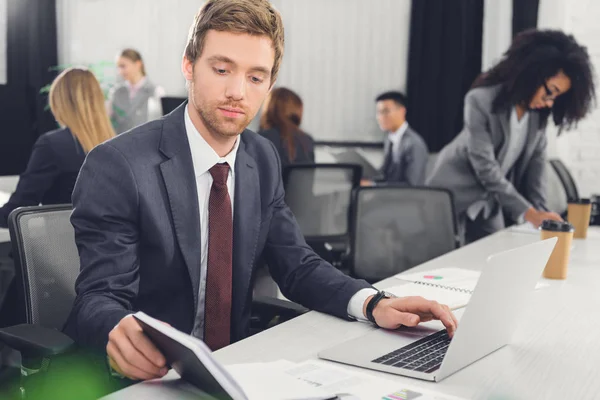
(137, 99)
(280, 123)
(497, 163)
(77, 103)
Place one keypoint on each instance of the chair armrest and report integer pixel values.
(272, 304)
(35, 341)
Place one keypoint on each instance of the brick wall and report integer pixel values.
(580, 147)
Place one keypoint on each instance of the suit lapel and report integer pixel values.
(180, 182)
(246, 226)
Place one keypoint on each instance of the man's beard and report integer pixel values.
(222, 125)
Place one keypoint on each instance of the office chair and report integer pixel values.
(169, 104)
(46, 264)
(556, 191)
(395, 228)
(566, 178)
(320, 195)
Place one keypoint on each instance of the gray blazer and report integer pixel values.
(470, 165)
(408, 165)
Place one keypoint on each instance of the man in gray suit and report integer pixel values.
(497, 164)
(172, 217)
(405, 151)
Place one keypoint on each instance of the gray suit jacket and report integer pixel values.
(470, 165)
(137, 228)
(408, 165)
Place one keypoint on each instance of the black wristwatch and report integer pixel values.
(373, 303)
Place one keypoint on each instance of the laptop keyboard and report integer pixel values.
(424, 355)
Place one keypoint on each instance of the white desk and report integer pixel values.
(554, 353)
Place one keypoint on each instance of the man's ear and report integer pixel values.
(187, 69)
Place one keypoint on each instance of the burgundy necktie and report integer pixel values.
(217, 316)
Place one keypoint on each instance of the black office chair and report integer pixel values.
(395, 228)
(566, 178)
(556, 193)
(47, 264)
(320, 195)
(170, 103)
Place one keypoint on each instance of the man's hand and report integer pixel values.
(132, 354)
(410, 311)
(536, 217)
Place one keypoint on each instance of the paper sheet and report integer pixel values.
(268, 381)
(324, 376)
(451, 298)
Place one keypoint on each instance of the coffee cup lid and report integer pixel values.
(557, 226)
(580, 201)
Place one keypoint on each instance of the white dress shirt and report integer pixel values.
(204, 158)
(396, 137)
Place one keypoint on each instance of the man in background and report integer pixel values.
(405, 151)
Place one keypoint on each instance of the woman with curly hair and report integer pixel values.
(497, 164)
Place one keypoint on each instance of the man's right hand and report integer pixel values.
(132, 354)
(536, 217)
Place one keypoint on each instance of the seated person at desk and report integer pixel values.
(280, 123)
(77, 103)
(405, 151)
(171, 217)
(137, 99)
(497, 163)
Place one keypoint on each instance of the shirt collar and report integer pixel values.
(203, 156)
(396, 136)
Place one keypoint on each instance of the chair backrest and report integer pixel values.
(320, 195)
(566, 178)
(556, 193)
(169, 104)
(47, 262)
(395, 228)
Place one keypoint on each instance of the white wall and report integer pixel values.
(92, 31)
(339, 53)
(3, 38)
(497, 31)
(580, 147)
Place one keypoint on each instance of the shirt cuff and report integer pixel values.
(357, 303)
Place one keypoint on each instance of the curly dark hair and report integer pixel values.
(534, 57)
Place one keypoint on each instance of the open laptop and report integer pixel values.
(503, 290)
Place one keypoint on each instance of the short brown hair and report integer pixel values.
(254, 17)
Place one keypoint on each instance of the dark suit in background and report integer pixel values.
(50, 175)
(407, 165)
(303, 143)
(137, 228)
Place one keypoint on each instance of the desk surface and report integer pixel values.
(553, 354)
